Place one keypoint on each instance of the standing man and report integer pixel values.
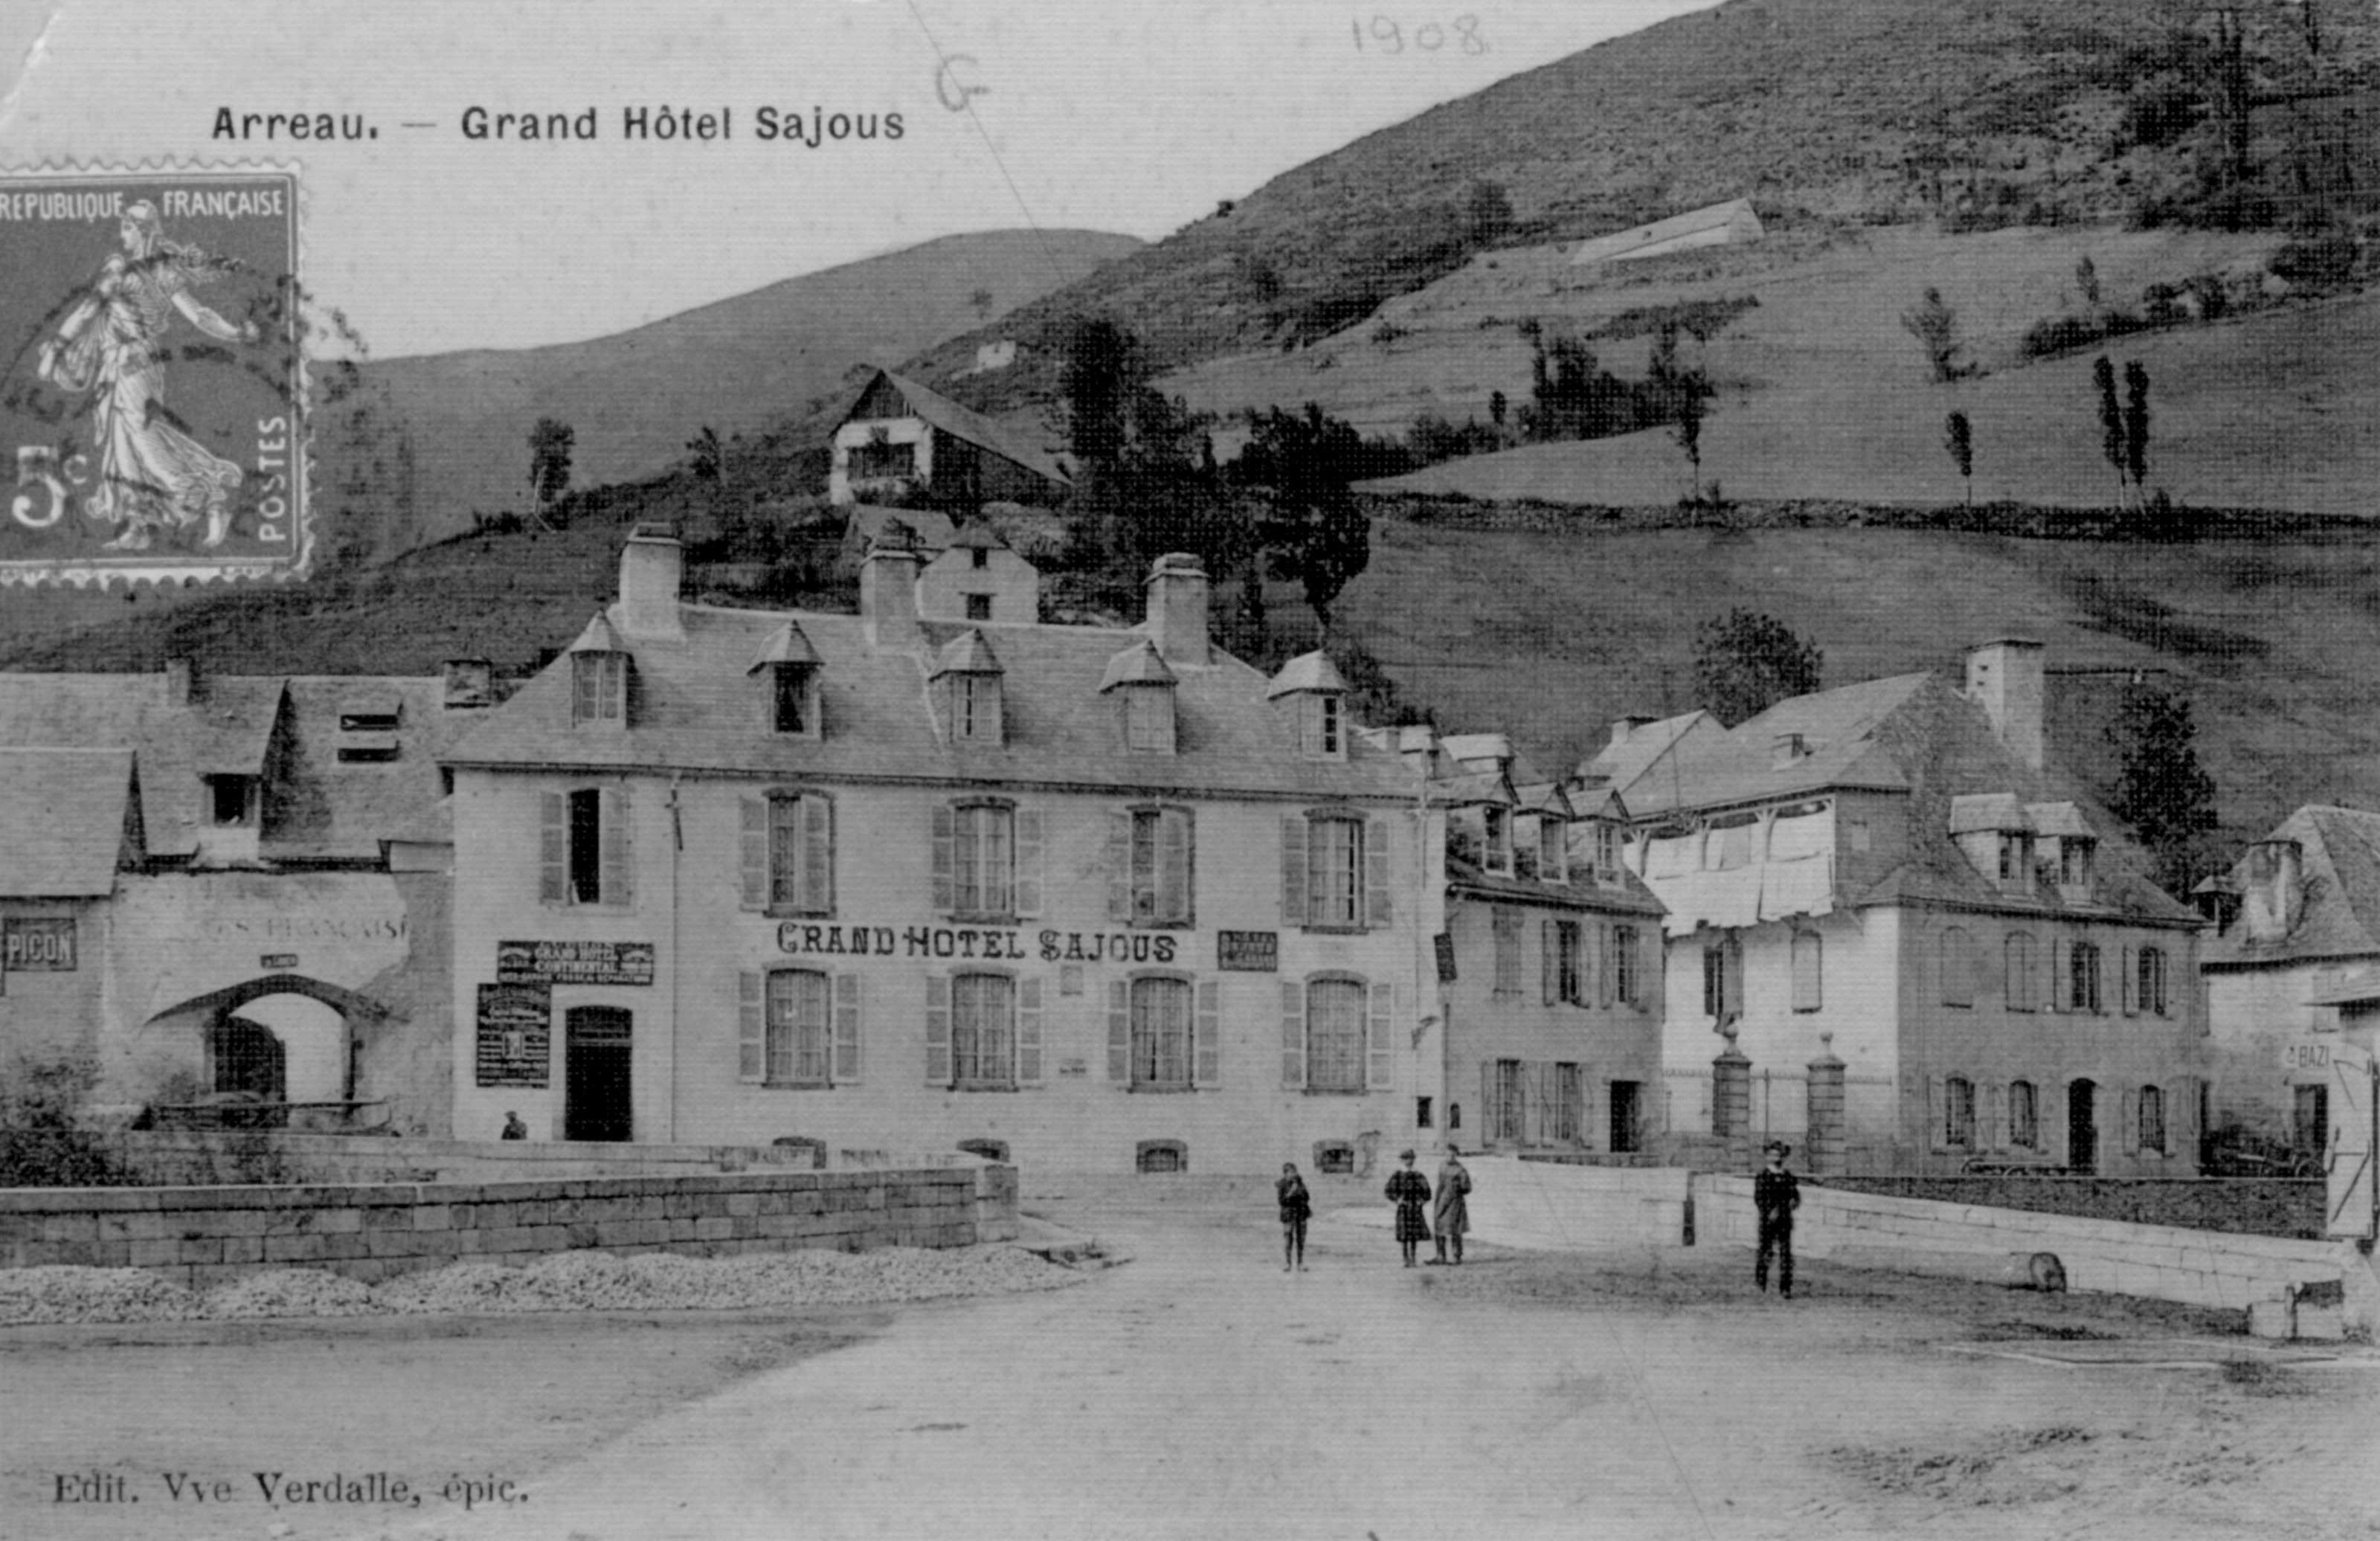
(1776, 1194)
(1453, 1214)
(1409, 1191)
(1296, 1209)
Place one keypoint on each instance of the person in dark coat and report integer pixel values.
(1453, 1214)
(1409, 1191)
(1776, 1194)
(1296, 1209)
(513, 1128)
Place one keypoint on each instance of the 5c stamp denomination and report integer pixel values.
(153, 393)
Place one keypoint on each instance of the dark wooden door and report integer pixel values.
(596, 1085)
(2081, 1127)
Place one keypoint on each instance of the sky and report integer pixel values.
(1063, 113)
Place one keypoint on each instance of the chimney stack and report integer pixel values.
(2008, 679)
(181, 679)
(888, 588)
(470, 682)
(1621, 727)
(1177, 609)
(651, 566)
(2274, 891)
(1785, 750)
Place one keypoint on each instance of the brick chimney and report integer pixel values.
(888, 588)
(1621, 727)
(2273, 895)
(1177, 609)
(1785, 750)
(181, 679)
(650, 566)
(2008, 679)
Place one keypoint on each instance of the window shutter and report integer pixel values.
(1293, 1034)
(1292, 869)
(2131, 1116)
(1993, 1135)
(1029, 862)
(2182, 1118)
(751, 1030)
(846, 1028)
(1548, 960)
(818, 855)
(1120, 868)
(553, 848)
(2061, 976)
(1491, 1114)
(1119, 1030)
(1174, 866)
(2128, 965)
(1607, 981)
(755, 853)
(1938, 1111)
(2049, 1116)
(1208, 1061)
(1379, 903)
(945, 820)
(1028, 1029)
(617, 888)
(1590, 1106)
(1378, 1040)
(938, 1031)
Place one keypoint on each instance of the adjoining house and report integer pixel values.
(1548, 957)
(1884, 894)
(1733, 222)
(1089, 897)
(976, 578)
(928, 529)
(233, 883)
(2292, 972)
(902, 443)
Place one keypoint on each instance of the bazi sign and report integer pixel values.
(804, 938)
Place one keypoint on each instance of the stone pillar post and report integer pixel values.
(1731, 1103)
(1825, 1155)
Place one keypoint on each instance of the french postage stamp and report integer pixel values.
(153, 393)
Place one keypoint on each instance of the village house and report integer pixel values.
(233, 884)
(903, 443)
(1734, 223)
(1547, 951)
(1884, 905)
(1090, 897)
(2292, 972)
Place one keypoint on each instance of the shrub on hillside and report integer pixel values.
(2317, 260)
(42, 1146)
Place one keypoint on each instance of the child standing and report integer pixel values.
(1296, 1209)
(1776, 1194)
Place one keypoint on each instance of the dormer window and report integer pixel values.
(1606, 849)
(1498, 855)
(1320, 730)
(2074, 861)
(1310, 687)
(967, 689)
(1143, 688)
(599, 689)
(1553, 851)
(231, 801)
(2016, 858)
(788, 668)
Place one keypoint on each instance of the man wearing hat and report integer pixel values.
(1775, 1194)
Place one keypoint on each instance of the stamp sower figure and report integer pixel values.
(1296, 1209)
(151, 475)
(1453, 1214)
(513, 1128)
(1409, 1191)
(1776, 1194)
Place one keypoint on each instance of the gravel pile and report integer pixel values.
(565, 1281)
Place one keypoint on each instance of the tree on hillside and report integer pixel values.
(1685, 391)
(1935, 326)
(703, 456)
(2162, 791)
(1137, 450)
(1746, 662)
(2136, 423)
(1958, 437)
(980, 303)
(548, 461)
(1486, 211)
(1103, 370)
(2111, 421)
(1304, 463)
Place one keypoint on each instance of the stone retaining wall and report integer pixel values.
(215, 1158)
(2157, 1262)
(201, 1237)
(2289, 1207)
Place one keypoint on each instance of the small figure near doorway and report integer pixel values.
(1776, 1194)
(1409, 1191)
(513, 1128)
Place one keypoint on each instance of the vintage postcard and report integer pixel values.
(1273, 768)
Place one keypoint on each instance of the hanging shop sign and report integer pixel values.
(575, 962)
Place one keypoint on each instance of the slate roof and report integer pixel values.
(866, 522)
(1138, 664)
(1306, 671)
(692, 713)
(1644, 750)
(317, 806)
(942, 413)
(2339, 861)
(62, 822)
(1622, 891)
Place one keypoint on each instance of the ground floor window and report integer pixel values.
(1568, 1104)
(1161, 1034)
(2312, 1118)
(990, 1151)
(1421, 1112)
(1160, 1156)
(983, 1018)
(1627, 1117)
(1334, 1158)
(1959, 1113)
(1506, 1102)
(2024, 1117)
(2152, 1119)
(798, 1036)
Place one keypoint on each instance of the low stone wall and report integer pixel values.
(2287, 1206)
(2157, 1262)
(201, 1237)
(213, 1157)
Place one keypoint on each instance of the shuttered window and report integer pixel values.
(583, 847)
(1570, 968)
(599, 689)
(2083, 978)
(1150, 863)
(1334, 872)
(2024, 1115)
(983, 1030)
(2150, 990)
(1161, 1034)
(1959, 1113)
(1626, 983)
(788, 853)
(1334, 1035)
(2020, 973)
(2151, 1119)
(800, 1027)
(1569, 1104)
(986, 861)
(1505, 924)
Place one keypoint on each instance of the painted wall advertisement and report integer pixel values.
(33, 945)
(516, 1037)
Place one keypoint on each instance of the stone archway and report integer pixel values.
(257, 1035)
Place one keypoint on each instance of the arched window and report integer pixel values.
(2153, 1120)
(2018, 988)
(1959, 1113)
(2025, 1116)
(1957, 968)
(2083, 985)
(2151, 985)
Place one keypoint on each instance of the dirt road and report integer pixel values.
(1201, 1391)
